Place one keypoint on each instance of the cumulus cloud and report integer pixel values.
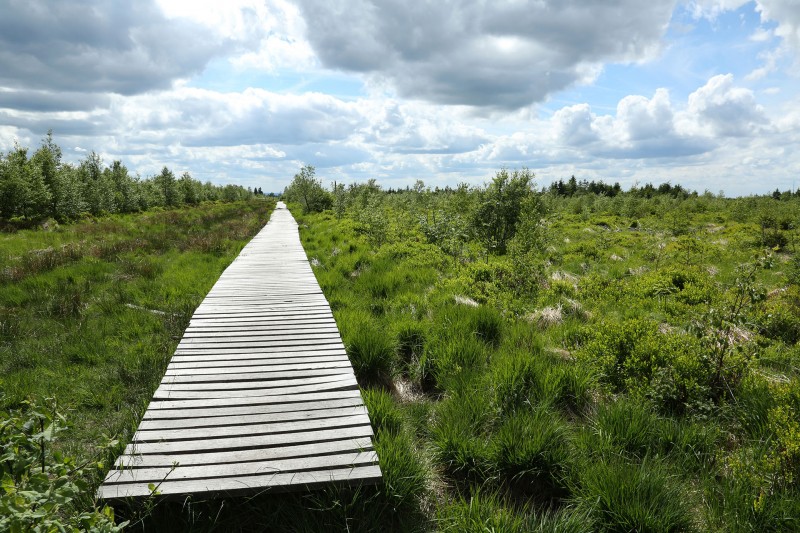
(727, 110)
(496, 54)
(787, 14)
(641, 128)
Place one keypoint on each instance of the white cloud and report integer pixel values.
(497, 54)
(726, 110)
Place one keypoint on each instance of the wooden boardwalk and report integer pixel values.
(259, 395)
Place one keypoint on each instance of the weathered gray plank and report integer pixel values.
(247, 430)
(200, 413)
(242, 456)
(246, 485)
(241, 420)
(256, 441)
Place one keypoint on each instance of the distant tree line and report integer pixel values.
(42, 186)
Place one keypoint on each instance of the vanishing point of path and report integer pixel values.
(260, 394)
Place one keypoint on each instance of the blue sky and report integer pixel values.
(703, 93)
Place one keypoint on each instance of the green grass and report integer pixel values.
(548, 410)
(95, 326)
(610, 388)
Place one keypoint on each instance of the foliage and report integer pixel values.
(90, 313)
(612, 370)
(42, 186)
(610, 356)
(307, 190)
(42, 489)
(500, 207)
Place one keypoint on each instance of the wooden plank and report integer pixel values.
(299, 464)
(246, 430)
(266, 370)
(248, 442)
(230, 377)
(176, 415)
(237, 366)
(242, 456)
(263, 400)
(166, 393)
(240, 420)
(249, 484)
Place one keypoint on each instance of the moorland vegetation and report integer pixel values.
(93, 300)
(573, 358)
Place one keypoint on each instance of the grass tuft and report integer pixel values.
(530, 450)
(619, 496)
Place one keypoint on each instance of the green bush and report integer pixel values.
(42, 489)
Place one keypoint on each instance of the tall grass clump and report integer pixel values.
(459, 437)
(628, 426)
(620, 496)
(531, 451)
(446, 359)
(517, 381)
(481, 511)
(371, 351)
(411, 336)
(405, 475)
(383, 412)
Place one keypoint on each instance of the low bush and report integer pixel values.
(42, 489)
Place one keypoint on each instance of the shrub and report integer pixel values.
(42, 489)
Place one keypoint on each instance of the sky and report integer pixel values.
(701, 93)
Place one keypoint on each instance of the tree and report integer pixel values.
(306, 190)
(495, 219)
(98, 189)
(168, 188)
(190, 189)
(23, 191)
(48, 159)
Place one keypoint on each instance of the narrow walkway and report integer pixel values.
(259, 395)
